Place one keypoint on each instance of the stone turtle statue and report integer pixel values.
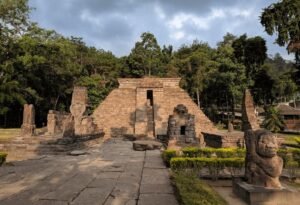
(263, 165)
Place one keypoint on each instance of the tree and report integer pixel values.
(263, 86)
(252, 52)
(283, 19)
(145, 57)
(273, 120)
(231, 75)
(14, 16)
(13, 23)
(194, 62)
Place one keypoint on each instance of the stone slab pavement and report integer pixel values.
(110, 174)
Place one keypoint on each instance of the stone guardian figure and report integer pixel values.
(263, 165)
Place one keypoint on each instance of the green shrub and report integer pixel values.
(167, 155)
(2, 158)
(210, 152)
(292, 167)
(192, 191)
(191, 152)
(180, 163)
(290, 154)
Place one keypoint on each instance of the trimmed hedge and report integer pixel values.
(167, 155)
(212, 152)
(179, 163)
(290, 154)
(2, 158)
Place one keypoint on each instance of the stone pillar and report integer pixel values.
(248, 112)
(28, 126)
(51, 122)
(78, 106)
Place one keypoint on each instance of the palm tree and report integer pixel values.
(273, 120)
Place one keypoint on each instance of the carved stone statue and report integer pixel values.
(263, 166)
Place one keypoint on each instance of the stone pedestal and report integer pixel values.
(258, 195)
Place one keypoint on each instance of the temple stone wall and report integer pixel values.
(116, 114)
(127, 111)
(56, 121)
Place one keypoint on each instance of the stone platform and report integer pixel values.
(256, 195)
(109, 174)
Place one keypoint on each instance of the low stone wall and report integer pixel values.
(220, 139)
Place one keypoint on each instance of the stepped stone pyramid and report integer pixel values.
(143, 105)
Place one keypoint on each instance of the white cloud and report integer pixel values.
(177, 35)
(203, 23)
(237, 12)
(159, 12)
(87, 16)
(116, 25)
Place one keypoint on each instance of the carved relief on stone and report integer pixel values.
(263, 165)
(79, 101)
(28, 126)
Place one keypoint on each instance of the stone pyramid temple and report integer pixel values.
(142, 106)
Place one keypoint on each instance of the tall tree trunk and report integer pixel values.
(56, 101)
(198, 98)
(5, 119)
(227, 109)
(232, 107)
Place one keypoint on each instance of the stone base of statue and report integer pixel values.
(258, 195)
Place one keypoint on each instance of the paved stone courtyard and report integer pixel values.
(110, 174)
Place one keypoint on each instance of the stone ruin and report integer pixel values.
(83, 124)
(75, 123)
(142, 106)
(263, 166)
(56, 121)
(28, 125)
(248, 112)
(181, 126)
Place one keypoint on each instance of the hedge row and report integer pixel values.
(213, 152)
(290, 154)
(2, 158)
(168, 155)
(180, 163)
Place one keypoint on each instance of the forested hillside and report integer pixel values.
(40, 66)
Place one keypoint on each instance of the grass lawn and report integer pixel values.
(8, 134)
(193, 191)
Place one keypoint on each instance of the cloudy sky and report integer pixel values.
(116, 25)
